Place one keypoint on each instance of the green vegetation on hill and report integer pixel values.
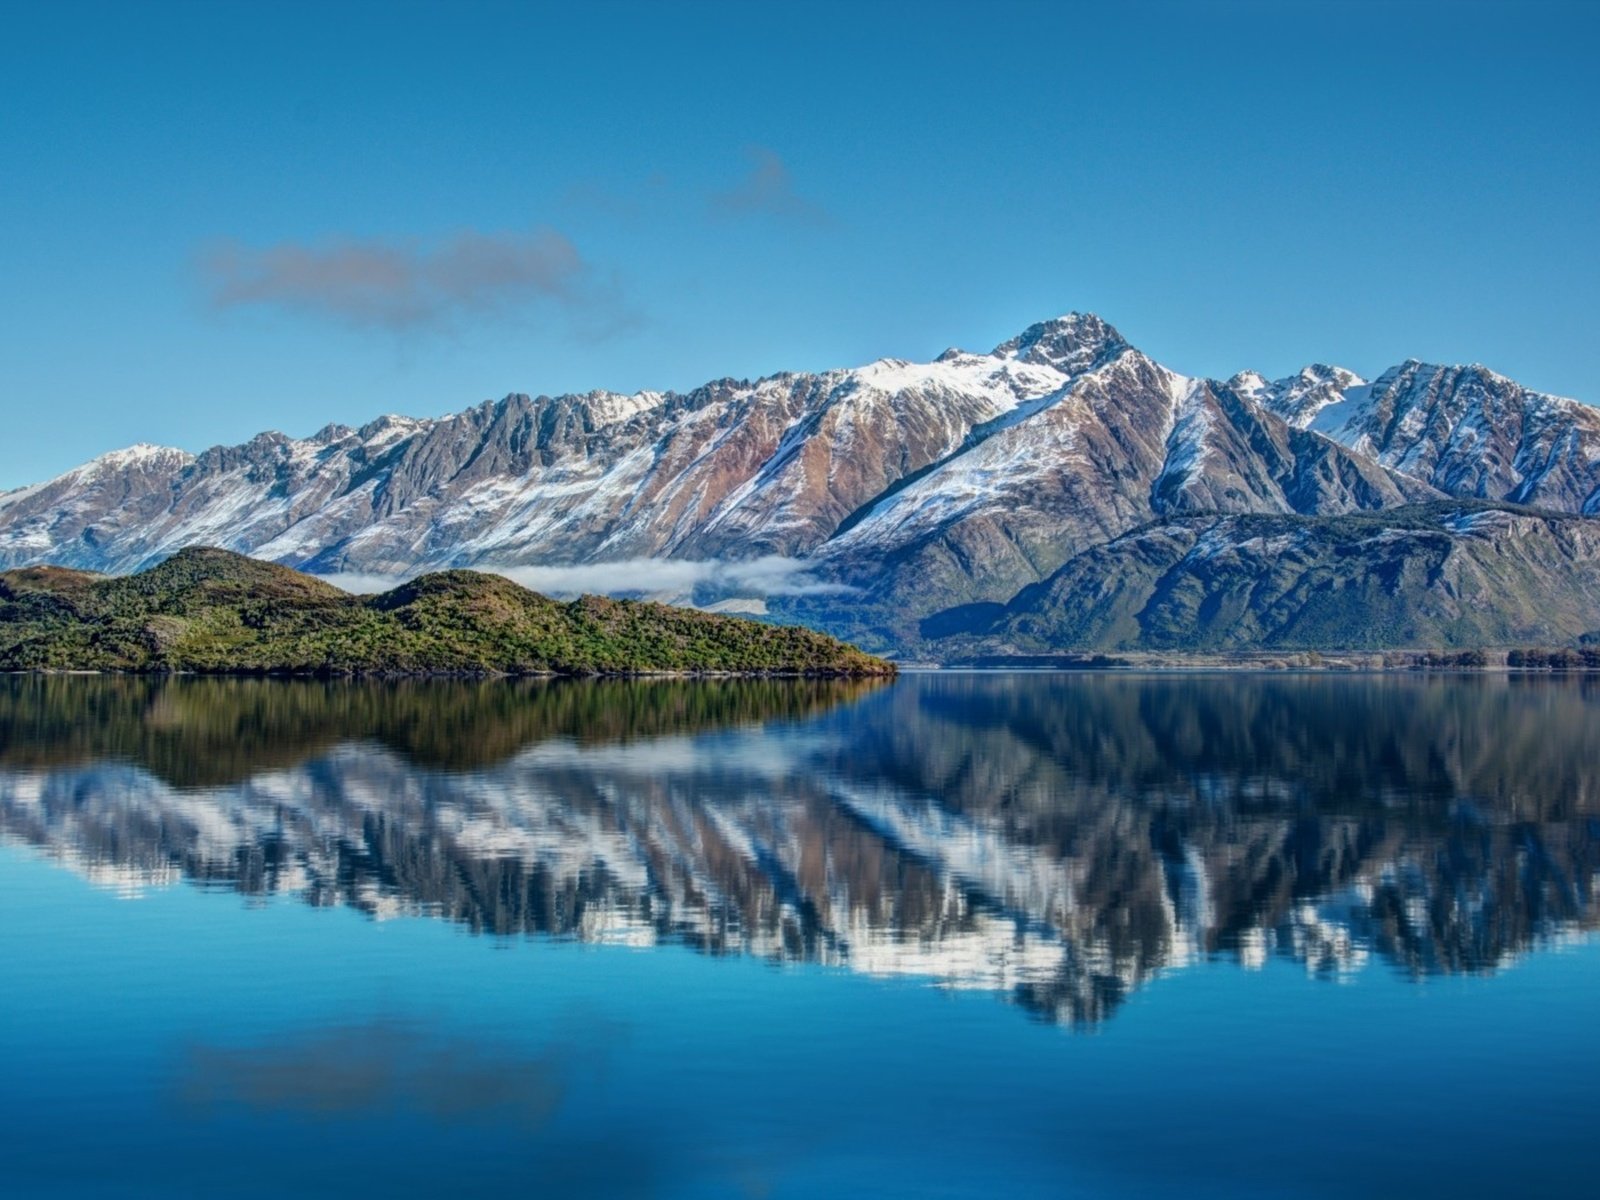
(208, 610)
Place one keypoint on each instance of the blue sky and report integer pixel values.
(219, 218)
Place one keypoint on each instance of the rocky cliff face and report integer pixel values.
(906, 489)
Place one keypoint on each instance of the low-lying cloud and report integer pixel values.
(770, 575)
(409, 285)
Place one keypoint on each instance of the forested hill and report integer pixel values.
(209, 610)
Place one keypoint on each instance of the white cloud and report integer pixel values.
(771, 575)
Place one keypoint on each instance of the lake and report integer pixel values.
(951, 935)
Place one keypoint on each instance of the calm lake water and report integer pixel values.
(957, 935)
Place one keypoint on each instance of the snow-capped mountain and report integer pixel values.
(1298, 398)
(1470, 432)
(914, 487)
(733, 467)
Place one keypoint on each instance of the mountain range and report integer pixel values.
(1061, 490)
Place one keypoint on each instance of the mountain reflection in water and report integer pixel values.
(1056, 838)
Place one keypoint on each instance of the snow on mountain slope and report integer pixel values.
(122, 481)
(917, 486)
(1300, 397)
(1471, 432)
(733, 468)
(1020, 464)
(1124, 441)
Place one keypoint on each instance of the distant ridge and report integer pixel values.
(1446, 575)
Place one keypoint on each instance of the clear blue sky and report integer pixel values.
(219, 218)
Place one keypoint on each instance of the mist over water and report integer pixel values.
(1157, 859)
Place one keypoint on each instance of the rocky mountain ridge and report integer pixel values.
(896, 490)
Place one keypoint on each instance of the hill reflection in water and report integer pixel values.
(1059, 839)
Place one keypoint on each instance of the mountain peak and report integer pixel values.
(141, 456)
(1323, 373)
(1299, 398)
(1414, 374)
(136, 454)
(1074, 342)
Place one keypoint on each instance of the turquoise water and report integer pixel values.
(961, 935)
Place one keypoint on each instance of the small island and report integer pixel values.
(212, 611)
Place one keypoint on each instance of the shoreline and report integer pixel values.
(379, 676)
(1501, 661)
(1362, 663)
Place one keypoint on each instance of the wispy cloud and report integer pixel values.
(410, 285)
(770, 575)
(769, 190)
